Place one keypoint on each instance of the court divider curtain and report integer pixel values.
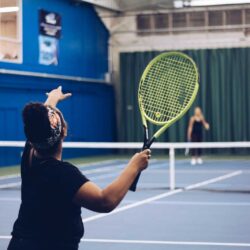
(223, 95)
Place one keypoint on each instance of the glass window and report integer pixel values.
(247, 16)
(234, 17)
(179, 20)
(144, 22)
(10, 31)
(215, 18)
(197, 19)
(161, 21)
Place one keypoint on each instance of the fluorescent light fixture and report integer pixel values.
(216, 2)
(109, 4)
(9, 9)
(196, 3)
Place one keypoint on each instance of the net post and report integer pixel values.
(172, 168)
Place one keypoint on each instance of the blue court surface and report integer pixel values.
(209, 209)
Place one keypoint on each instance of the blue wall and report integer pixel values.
(83, 51)
(83, 47)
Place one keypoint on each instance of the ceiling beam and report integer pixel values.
(107, 4)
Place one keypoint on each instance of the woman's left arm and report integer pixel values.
(205, 124)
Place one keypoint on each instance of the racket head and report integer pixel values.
(167, 88)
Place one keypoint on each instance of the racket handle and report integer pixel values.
(134, 184)
(146, 145)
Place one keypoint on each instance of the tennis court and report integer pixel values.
(94, 82)
(208, 209)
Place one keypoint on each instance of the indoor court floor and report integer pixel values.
(209, 209)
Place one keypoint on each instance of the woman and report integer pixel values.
(53, 191)
(196, 123)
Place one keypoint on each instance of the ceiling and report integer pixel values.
(132, 5)
(139, 5)
(144, 4)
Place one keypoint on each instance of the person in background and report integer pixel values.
(53, 191)
(194, 134)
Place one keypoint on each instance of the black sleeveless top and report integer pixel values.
(47, 212)
(197, 128)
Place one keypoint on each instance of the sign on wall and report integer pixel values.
(50, 33)
(50, 24)
(48, 47)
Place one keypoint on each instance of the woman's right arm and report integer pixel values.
(190, 128)
(105, 200)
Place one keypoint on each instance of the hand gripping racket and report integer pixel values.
(167, 89)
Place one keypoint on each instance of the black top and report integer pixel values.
(47, 211)
(197, 128)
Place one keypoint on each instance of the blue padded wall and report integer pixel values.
(83, 51)
(89, 112)
(83, 47)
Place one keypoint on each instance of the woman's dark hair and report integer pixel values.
(37, 127)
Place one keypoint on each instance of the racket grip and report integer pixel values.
(146, 145)
(134, 184)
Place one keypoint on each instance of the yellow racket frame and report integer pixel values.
(170, 122)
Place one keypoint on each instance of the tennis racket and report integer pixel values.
(167, 89)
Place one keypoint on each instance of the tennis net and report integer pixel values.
(225, 166)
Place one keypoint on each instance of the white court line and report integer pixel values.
(185, 203)
(158, 242)
(191, 203)
(10, 176)
(97, 164)
(104, 169)
(18, 184)
(191, 171)
(85, 172)
(100, 177)
(104, 176)
(14, 184)
(136, 204)
(5, 177)
(100, 170)
(84, 165)
(3, 237)
(220, 178)
(10, 199)
(163, 195)
(116, 167)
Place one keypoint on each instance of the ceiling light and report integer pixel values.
(216, 2)
(9, 9)
(196, 3)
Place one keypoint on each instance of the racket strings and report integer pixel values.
(167, 88)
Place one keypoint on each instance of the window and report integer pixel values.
(10, 31)
(197, 19)
(215, 18)
(179, 20)
(161, 21)
(234, 17)
(247, 16)
(144, 22)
